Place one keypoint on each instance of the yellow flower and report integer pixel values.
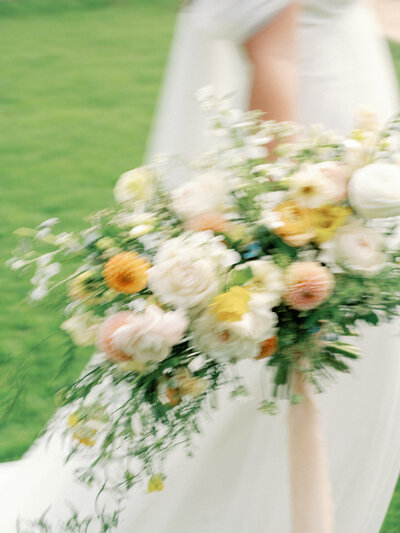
(105, 243)
(188, 384)
(86, 422)
(73, 420)
(126, 272)
(232, 305)
(82, 433)
(133, 366)
(83, 286)
(295, 228)
(327, 220)
(155, 483)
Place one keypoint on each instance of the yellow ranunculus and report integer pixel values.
(83, 286)
(327, 220)
(155, 483)
(295, 227)
(232, 305)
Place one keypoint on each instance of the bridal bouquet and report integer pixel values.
(273, 258)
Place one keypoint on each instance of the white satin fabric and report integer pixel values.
(238, 480)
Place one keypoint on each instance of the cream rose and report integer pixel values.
(207, 193)
(338, 175)
(358, 248)
(374, 190)
(136, 185)
(186, 269)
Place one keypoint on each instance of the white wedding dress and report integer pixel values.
(238, 480)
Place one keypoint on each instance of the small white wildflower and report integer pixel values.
(51, 270)
(44, 260)
(39, 293)
(140, 230)
(49, 223)
(16, 264)
(43, 233)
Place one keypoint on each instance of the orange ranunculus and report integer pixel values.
(295, 228)
(126, 272)
(174, 396)
(267, 348)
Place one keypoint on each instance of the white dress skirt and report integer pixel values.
(238, 480)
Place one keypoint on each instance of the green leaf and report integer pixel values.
(371, 318)
(242, 276)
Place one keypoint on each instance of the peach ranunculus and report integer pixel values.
(293, 224)
(209, 221)
(308, 284)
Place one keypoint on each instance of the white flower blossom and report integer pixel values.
(374, 190)
(235, 340)
(186, 270)
(355, 247)
(207, 193)
(136, 185)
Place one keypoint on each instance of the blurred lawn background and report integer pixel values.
(78, 85)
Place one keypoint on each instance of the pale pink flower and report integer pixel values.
(338, 175)
(144, 337)
(105, 335)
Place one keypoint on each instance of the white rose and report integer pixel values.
(315, 186)
(374, 190)
(235, 340)
(259, 323)
(267, 279)
(207, 193)
(219, 341)
(186, 269)
(358, 248)
(137, 185)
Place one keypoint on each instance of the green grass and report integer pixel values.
(77, 92)
(79, 80)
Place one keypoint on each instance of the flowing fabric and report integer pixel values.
(238, 480)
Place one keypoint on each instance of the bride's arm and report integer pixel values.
(272, 51)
